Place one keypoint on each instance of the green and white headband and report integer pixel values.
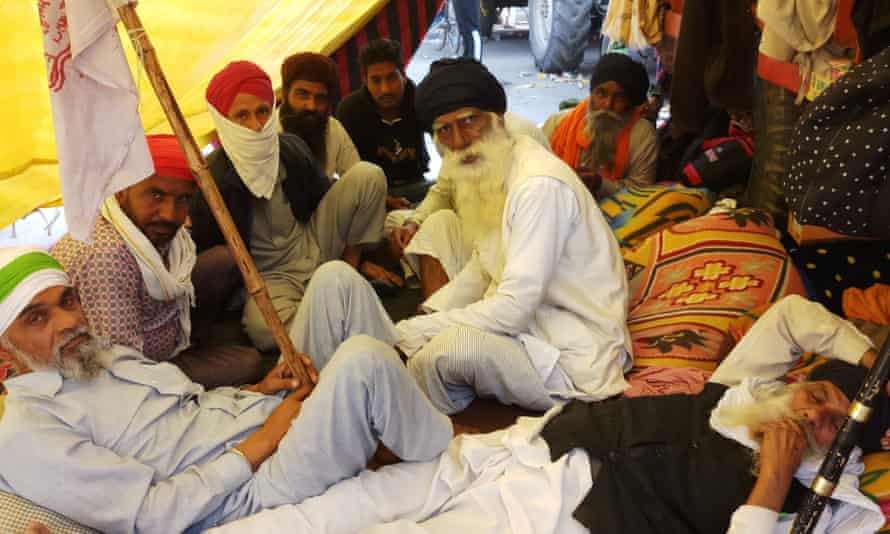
(25, 272)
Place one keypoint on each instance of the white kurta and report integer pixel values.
(558, 285)
(504, 482)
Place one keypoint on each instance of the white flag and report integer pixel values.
(99, 137)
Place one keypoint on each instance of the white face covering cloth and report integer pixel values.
(254, 154)
(162, 283)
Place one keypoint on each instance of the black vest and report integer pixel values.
(664, 470)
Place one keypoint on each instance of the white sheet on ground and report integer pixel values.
(500, 482)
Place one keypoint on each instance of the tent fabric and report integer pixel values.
(193, 41)
(405, 21)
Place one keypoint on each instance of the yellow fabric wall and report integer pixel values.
(193, 39)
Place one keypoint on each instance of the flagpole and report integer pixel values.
(256, 287)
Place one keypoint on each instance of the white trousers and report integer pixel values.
(339, 303)
(364, 394)
(463, 362)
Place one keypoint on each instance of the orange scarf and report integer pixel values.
(570, 138)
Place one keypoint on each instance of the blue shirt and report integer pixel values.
(138, 448)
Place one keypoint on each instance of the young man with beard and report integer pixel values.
(309, 85)
(734, 458)
(604, 138)
(139, 277)
(538, 312)
(381, 120)
(124, 444)
(288, 213)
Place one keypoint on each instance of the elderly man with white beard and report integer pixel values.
(121, 443)
(605, 138)
(735, 458)
(429, 237)
(538, 313)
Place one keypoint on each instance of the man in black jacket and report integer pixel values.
(381, 121)
(288, 213)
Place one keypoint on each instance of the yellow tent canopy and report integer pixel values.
(193, 39)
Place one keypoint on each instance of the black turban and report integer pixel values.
(624, 71)
(453, 84)
(848, 378)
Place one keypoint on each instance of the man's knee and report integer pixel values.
(334, 277)
(451, 347)
(441, 221)
(366, 175)
(361, 357)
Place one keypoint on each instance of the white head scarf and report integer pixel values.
(25, 272)
(254, 154)
(164, 281)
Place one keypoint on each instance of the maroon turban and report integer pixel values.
(310, 67)
(169, 157)
(238, 77)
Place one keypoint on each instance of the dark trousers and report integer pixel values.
(468, 15)
(213, 360)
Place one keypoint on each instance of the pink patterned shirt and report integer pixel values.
(114, 296)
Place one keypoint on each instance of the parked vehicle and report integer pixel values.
(559, 30)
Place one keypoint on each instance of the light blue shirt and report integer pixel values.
(138, 448)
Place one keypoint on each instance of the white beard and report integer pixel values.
(771, 404)
(480, 193)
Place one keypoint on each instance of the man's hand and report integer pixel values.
(281, 378)
(781, 452)
(376, 272)
(402, 236)
(397, 203)
(264, 442)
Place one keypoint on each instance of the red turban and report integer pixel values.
(238, 77)
(169, 157)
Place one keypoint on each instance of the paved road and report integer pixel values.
(510, 59)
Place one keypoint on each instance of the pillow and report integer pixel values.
(689, 282)
(634, 213)
(17, 513)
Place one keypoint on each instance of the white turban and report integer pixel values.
(25, 272)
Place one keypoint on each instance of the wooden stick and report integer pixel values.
(252, 279)
(833, 465)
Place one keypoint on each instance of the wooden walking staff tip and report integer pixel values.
(252, 279)
(833, 466)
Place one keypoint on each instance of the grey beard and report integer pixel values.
(84, 365)
(602, 128)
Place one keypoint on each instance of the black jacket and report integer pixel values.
(663, 470)
(304, 188)
(399, 148)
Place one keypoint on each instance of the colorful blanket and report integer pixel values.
(689, 282)
(635, 213)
